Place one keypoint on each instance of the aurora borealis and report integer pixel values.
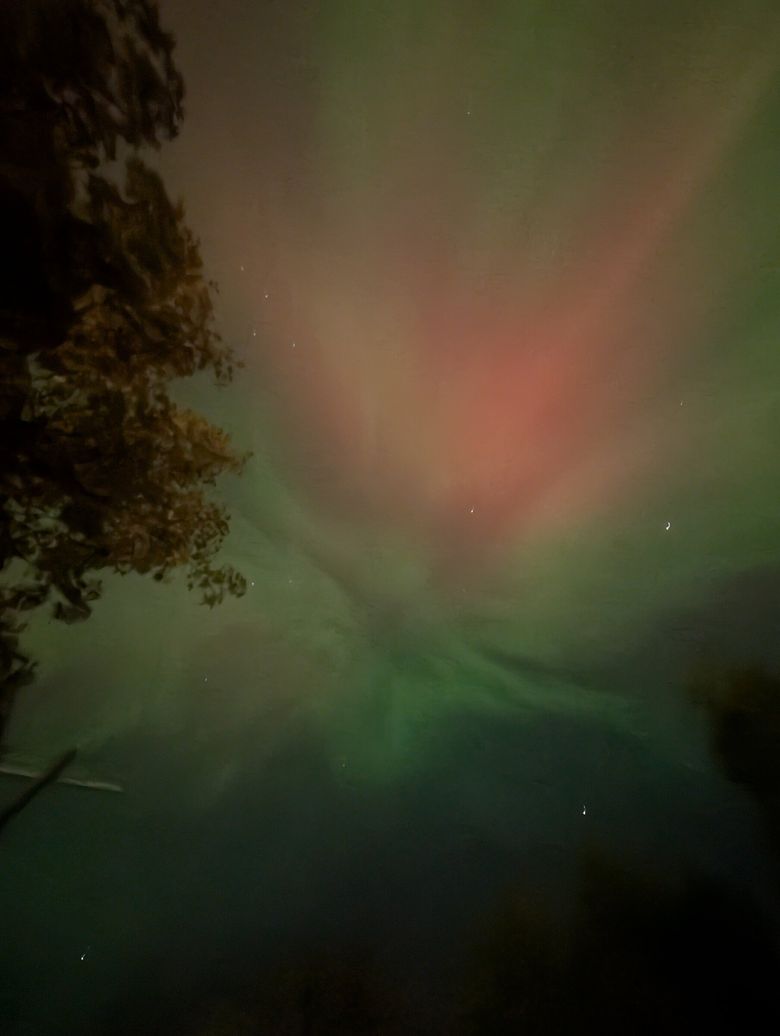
(468, 373)
(504, 276)
(497, 272)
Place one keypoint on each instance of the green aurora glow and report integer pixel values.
(528, 256)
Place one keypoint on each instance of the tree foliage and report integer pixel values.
(742, 710)
(103, 305)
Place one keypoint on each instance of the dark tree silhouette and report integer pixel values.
(742, 708)
(103, 304)
(646, 953)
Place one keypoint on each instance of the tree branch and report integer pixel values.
(47, 777)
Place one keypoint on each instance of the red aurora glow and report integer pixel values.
(478, 405)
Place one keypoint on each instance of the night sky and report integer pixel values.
(504, 279)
